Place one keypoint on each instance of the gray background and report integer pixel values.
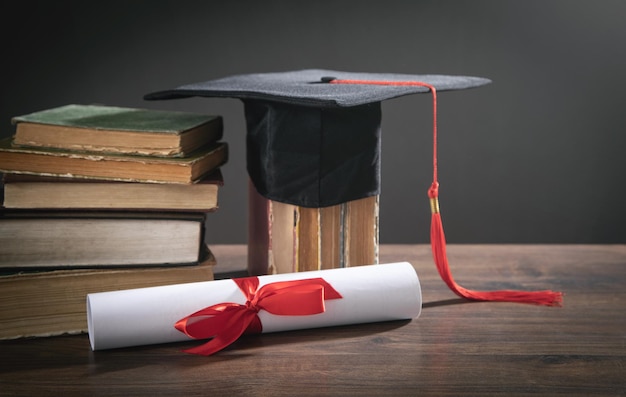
(536, 157)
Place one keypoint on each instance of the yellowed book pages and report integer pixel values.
(308, 239)
(29, 192)
(72, 239)
(361, 232)
(331, 237)
(50, 162)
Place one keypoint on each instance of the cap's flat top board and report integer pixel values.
(310, 87)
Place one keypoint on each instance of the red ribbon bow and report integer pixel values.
(226, 322)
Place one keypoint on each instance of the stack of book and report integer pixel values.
(100, 198)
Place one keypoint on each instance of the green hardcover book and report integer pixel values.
(111, 129)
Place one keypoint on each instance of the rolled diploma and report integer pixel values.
(146, 316)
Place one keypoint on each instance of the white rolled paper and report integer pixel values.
(146, 316)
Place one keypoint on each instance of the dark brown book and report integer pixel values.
(54, 302)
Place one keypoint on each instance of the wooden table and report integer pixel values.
(454, 348)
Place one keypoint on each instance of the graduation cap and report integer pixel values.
(314, 140)
(312, 143)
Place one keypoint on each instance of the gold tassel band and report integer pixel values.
(434, 205)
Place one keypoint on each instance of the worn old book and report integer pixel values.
(119, 167)
(54, 302)
(113, 129)
(285, 238)
(41, 192)
(78, 239)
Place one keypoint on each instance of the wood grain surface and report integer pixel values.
(454, 348)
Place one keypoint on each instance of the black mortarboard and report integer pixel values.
(311, 143)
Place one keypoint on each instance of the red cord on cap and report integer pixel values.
(437, 236)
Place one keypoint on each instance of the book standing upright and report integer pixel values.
(285, 238)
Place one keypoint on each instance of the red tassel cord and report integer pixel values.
(437, 236)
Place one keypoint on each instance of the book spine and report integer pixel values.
(361, 232)
(308, 239)
(285, 238)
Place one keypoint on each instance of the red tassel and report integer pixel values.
(438, 239)
(438, 245)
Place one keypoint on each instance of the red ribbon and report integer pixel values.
(226, 322)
